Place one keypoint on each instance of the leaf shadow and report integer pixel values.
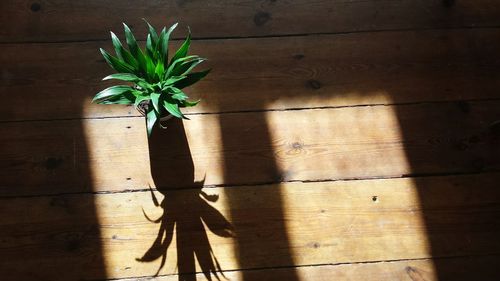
(187, 212)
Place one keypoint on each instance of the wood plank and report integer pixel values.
(458, 269)
(250, 148)
(73, 156)
(59, 20)
(323, 223)
(270, 73)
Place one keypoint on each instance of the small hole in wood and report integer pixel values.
(375, 198)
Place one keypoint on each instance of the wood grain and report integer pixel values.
(251, 148)
(460, 269)
(326, 223)
(71, 156)
(58, 20)
(271, 73)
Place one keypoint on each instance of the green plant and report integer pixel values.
(154, 84)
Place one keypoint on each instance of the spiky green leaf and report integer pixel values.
(124, 98)
(122, 53)
(129, 77)
(157, 80)
(140, 99)
(191, 78)
(185, 67)
(151, 118)
(145, 86)
(136, 51)
(187, 103)
(159, 70)
(116, 63)
(177, 62)
(150, 50)
(111, 92)
(163, 43)
(170, 81)
(183, 49)
(173, 108)
(150, 69)
(130, 38)
(152, 32)
(117, 44)
(177, 94)
(155, 100)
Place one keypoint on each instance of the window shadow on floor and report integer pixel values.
(46, 233)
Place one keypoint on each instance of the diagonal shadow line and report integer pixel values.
(56, 232)
(263, 244)
(460, 207)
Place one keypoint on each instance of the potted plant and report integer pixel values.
(153, 82)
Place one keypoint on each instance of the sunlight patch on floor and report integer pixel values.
(207, 156)
(371, 219)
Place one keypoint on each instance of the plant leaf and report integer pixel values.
(131, 42)
(173, 108)
(159, 70)
(152, 32)
(112, 91)
(145, 85)
(183, 49)
(150, 51)
(123, 98)
(151, 118)
(129, 77)
(171, 80)
(185, 67)
(117, 44)
(122, 53)
(163, 43)
(155, 99)
(135, 50)
(177, 94)
(191, 78)
(150, 69)
(115, 63)
(172, 66)
(187, 103)
(140, 99)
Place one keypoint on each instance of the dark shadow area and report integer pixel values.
(187, 211)
(44, 234)
(263, 242)
(460, 210)
(460, 140)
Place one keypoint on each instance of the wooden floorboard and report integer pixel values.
(349, 140)
(248, 227)
(69, 156)
(249, 148)
(60, 20)
(458, 269)
(271, 73)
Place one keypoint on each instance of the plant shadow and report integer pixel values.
(187, 211)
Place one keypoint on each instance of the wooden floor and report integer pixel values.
(335, 140)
